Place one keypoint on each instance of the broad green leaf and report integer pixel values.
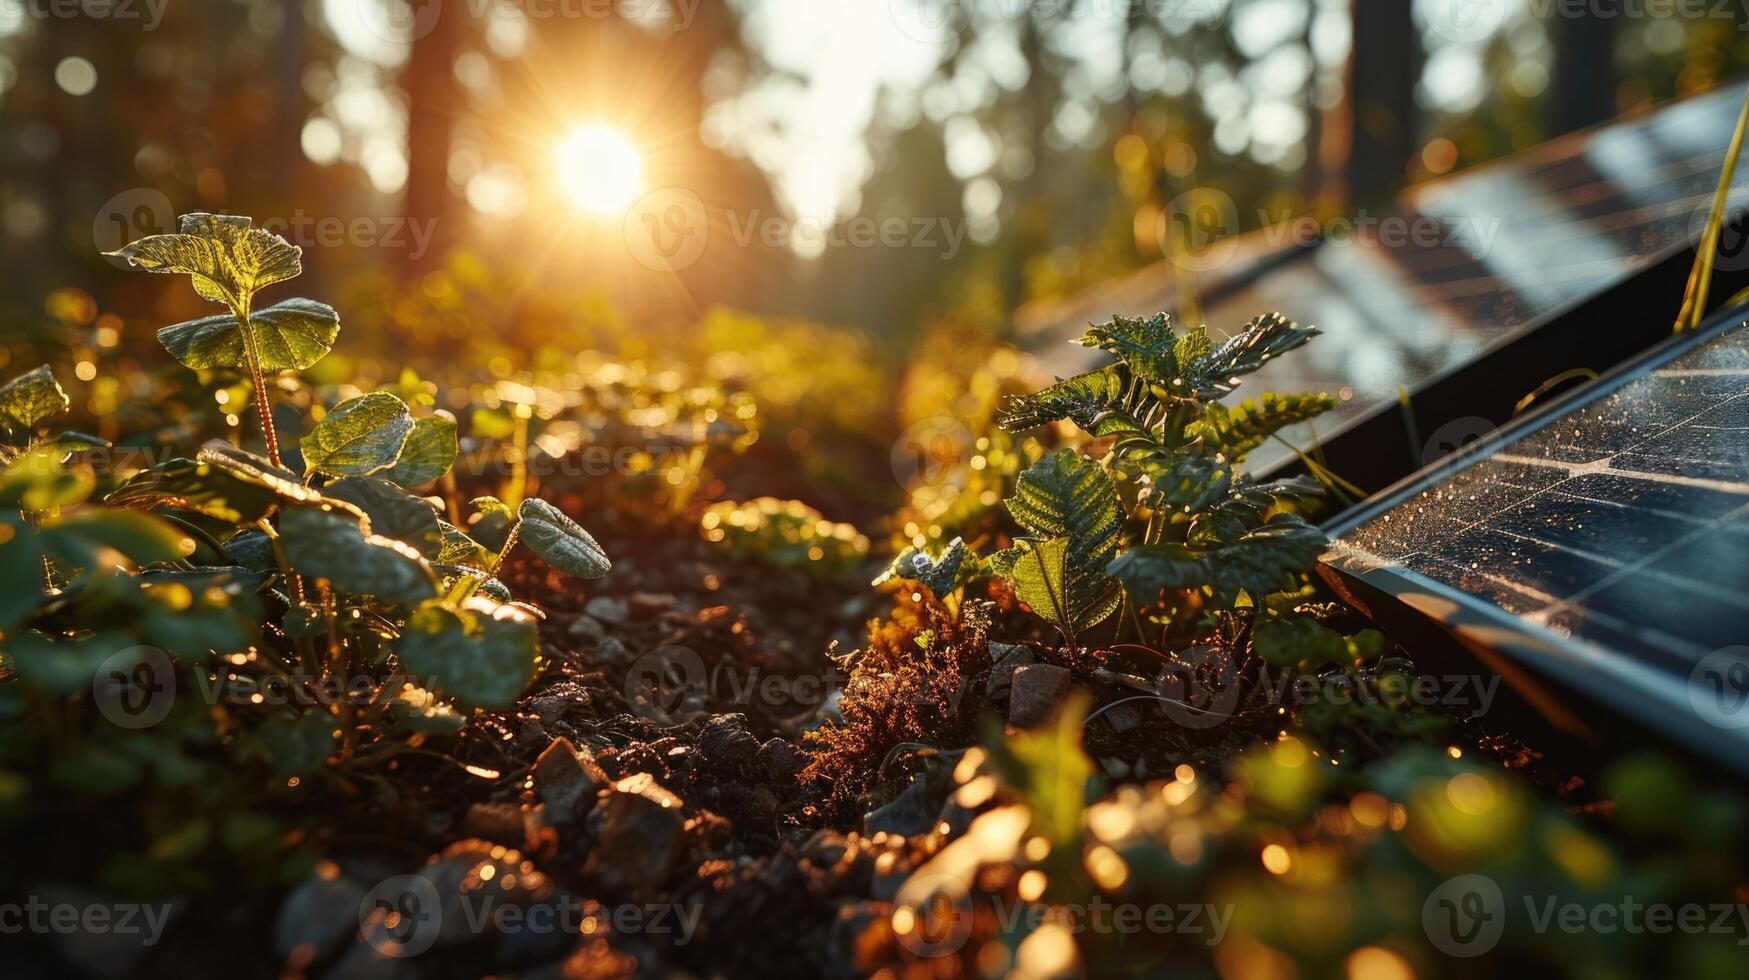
(429, 453)
(1069, 497)
(295, 744)
(141, 538)
(1050, 770)
(288, 336)
(21, 556)
(482, 655)
(1040, 573)
(359, 437)
(63, 666)
(37, 482)
(252, 550)
(228, 258)
(469, 579)
(1259, 561)
(393, 512)
(1286, 641)
(32, 397)
(418, 710)
(333, 541)
(190, 484)
(560, 541)
(258, 471)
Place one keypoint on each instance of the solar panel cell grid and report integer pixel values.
(1623, 522)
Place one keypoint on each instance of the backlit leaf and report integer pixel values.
(190, 484)
(32, 397)
(482, 655)
(288, 336)
(429, 453)
(228, 258)
(359, 436)
(332, 541)
(393, 512)
(560, 541)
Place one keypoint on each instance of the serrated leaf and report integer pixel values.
(203, 487)
(1190, 484)
(428, 454)
(32, 397)
(227, 257)
(1217, 372)
(1068, 496)
(482, 655)
(1286, 641)
(359, 437)
(1236, 431)
(393, 512)
(1259, 561)
(560, 541)
(333, 541)
(940, 574)
(288, 336)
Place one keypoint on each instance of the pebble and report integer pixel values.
(607, 609)
(1037, 689)
(1005, 659)
(567, 779)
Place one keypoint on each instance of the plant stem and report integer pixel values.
(258, 381)
(1700, 279)
(509, 542)
(518, 459)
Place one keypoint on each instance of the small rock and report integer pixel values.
(725, 739)
(649, 605)
(587, 628)
(1037, 689)
(1005, 659)
(638, 830)
(566, 779)
(607, 609)
(911, 813)
(501, 822)
(612, 651)
(781, 758)
(318, 915)
(1123, 717)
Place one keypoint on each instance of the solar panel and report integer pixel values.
(1480, 288)
(1604, 541)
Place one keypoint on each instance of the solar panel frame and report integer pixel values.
(1654, 691)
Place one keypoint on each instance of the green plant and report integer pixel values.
(1195, 533)
(247, 573)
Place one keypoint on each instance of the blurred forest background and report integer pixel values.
(417, 149)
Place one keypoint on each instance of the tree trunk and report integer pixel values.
(433, 102)
(1382, 74)
(1582, 87)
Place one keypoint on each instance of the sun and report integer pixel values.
(601, 170)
